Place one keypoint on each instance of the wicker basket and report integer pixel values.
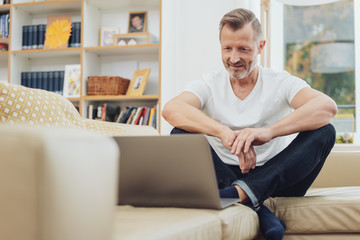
(107, 85)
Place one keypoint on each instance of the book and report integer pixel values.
(146, 116)
(103, 112)
(25, 34)
(72, 75)
(136, 115)
(129, 121)
(34, 30)
(152, 113)
(41, 35)
(90, 111)
(51, 86)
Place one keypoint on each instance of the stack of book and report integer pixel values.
(129, 115)
(52, 81)
(138, 116)
(5, 2)
(33, 36)
(4, 25)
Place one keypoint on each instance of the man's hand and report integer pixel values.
(242, 145)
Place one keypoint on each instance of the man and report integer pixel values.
(269, 131)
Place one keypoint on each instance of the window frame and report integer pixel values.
(276, 45)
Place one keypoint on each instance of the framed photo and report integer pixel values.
(137, 22)
(72, 80)
(106, 35)
(138, 82)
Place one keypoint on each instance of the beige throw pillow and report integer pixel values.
(22, 105)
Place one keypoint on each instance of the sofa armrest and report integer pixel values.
(340, 169)
(118, 129)
(56, 184)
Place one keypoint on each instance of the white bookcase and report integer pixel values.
(95, 59)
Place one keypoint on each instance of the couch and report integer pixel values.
(58, 179)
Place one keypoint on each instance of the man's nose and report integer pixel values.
(234, 58)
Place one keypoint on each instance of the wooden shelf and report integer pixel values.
(119, 97)
(129, 50)
(6, 40)
(5, 7)
(106, 4)
(74, 99)
(47, 53)
(50, 7)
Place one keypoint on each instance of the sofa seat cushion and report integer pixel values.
(26, 106)
(133, 223)
(322, 210)
(238, 222)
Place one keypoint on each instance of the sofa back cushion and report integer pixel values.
(26, 106)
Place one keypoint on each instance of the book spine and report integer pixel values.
(39, 80)
(45, 78)
(23, 79)
(30, 37)
(24, 37)
(28, 79)
(61, 82)
(57, 82)
(35, 41)
(33, 80)
(51, 81)
(41, 35)
(77, 40)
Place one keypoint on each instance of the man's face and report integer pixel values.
(239, 50)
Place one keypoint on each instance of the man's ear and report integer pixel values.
(261, 46)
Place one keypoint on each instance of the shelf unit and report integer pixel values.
(4, 55)
(95, 59)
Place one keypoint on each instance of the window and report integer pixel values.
(318, 46)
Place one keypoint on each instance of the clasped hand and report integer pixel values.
(242, 142)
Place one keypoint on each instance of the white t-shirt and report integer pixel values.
(268, 102)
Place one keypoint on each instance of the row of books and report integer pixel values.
(129, 115)
(52, 81)
(33, 36)
(5, 2)
(4, 25)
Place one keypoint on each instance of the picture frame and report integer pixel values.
(106, 35)
(72, 78)
(138, 82)
(137, 22)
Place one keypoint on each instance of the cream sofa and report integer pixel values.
(58, 178)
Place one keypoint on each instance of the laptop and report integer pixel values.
(168, 171)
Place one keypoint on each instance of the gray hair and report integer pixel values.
(238, 18)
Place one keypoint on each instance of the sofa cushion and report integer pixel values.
(238, 222)
(322, 210)
(133, 223)
(22, 105)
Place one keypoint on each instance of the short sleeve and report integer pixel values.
(200, 89)
(292, 85)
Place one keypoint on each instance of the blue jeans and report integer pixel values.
(288, 174)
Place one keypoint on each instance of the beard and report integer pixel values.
(237, 74)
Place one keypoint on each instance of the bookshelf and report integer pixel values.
(94, 59)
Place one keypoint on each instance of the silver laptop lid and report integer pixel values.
(167, 171)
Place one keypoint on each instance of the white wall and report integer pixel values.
(190, 42)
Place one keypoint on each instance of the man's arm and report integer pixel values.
(184, 112)
(313, 110)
